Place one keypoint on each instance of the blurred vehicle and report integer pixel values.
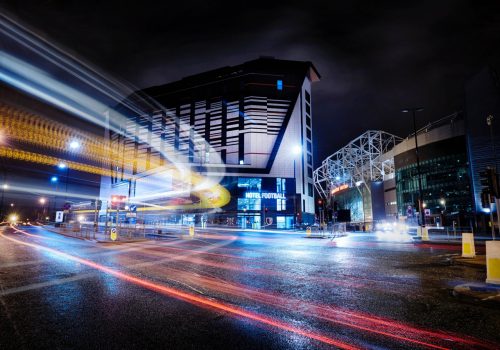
(391, 226)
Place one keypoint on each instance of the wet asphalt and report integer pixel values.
(238, 290)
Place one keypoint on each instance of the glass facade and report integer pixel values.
(445, 179)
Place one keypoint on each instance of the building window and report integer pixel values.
(308, 109)
(309, 146)
(310, 189)
(310, 172)
(280, 185)
(280, 204)
(309, 159)
(308, 133)
(308, 96)
(249, 203)
(308, 121)
(251, 184)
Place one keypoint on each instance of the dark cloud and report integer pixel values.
(374, 57)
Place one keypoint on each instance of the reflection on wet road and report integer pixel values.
(227, 289)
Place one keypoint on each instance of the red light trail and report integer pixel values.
(357, 320)
(193, 299)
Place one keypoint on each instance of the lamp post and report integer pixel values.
(4, 187)
(42, 201)
(420, 194)
(74, 146)
(489, 121)
(54, 180)
(296, 150)
(63, 166)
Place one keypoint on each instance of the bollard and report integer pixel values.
(425, 234)
(493, 262)
(468, 249)
(191, 230)
(308, 231)
(419, 231)
(113, 234)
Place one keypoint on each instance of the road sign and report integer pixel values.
(133, 208)
(409, 210)
(59, 216)
(113, 234)
(427, 212)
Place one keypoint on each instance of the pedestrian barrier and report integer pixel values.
(493, 262)
(468, 248)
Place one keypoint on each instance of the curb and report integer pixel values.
(483, 292)
(118, 242)
(476, 262)
(64, 234)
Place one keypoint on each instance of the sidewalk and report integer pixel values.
(100, 237)
(476, 291)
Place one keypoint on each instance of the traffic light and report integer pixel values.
(96, 204)
(489, 182)
(118, 202)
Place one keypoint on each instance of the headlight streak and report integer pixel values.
(38, 83)
(190, 298)
(337, 315)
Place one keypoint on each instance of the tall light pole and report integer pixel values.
(489, 121)
(420, 194)
(54, 180)
(42, 201)
(4, 187)
(296, 150)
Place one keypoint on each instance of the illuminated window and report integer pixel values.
(279, 84)
(252, 184)
(249, 203)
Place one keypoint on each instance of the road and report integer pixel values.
(237, 290)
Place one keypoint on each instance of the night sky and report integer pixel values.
(374, 58)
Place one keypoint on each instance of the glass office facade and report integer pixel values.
(445, 180)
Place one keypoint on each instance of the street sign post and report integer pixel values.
(59, 216)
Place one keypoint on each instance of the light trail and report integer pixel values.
(357, 320)
(337, 315)
(190, 298)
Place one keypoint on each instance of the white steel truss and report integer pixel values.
(358, 163)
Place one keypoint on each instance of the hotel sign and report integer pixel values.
(340, 188)
(265, 195)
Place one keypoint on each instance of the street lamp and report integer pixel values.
(42, 201)
(74, 145)
(420, 194)
(4, 187)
